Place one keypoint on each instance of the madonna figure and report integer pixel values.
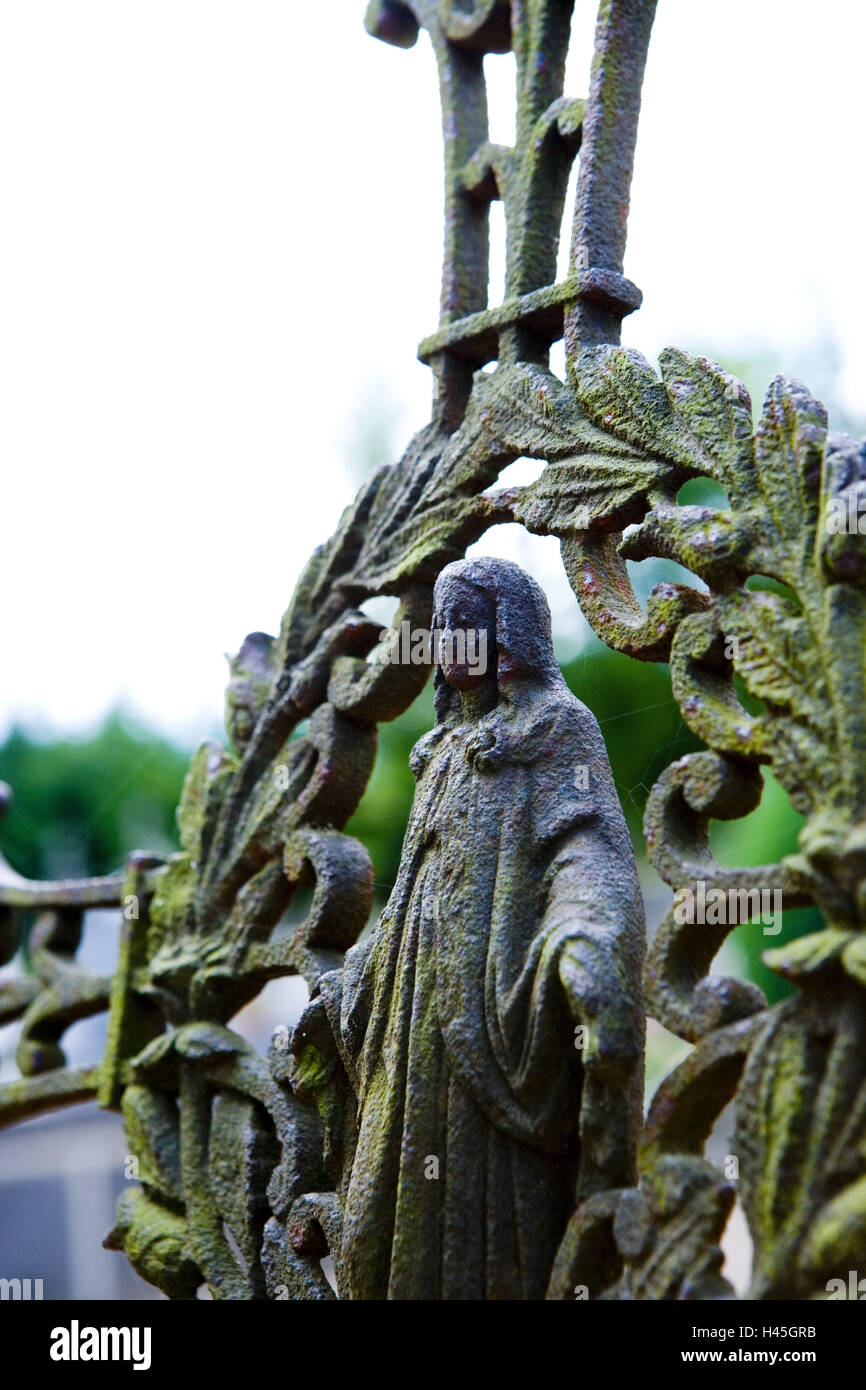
(491, 1029)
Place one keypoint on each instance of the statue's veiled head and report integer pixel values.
(493, 625)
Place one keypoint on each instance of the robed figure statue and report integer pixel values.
(490, 1029)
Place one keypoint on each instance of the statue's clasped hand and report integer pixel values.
(486, 748)
(609, 1048)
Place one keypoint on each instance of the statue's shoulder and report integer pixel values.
(435, 741)
(558, 714)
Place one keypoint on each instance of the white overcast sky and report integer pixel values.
(220, 246)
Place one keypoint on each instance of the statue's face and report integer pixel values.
(465, 620)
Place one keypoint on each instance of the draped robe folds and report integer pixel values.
(451, 1019)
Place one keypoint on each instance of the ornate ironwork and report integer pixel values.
(252, 1168)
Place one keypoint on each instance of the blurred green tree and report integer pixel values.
(80, 805)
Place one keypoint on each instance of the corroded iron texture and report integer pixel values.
(432, 1098)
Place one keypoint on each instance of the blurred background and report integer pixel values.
(220, 250)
